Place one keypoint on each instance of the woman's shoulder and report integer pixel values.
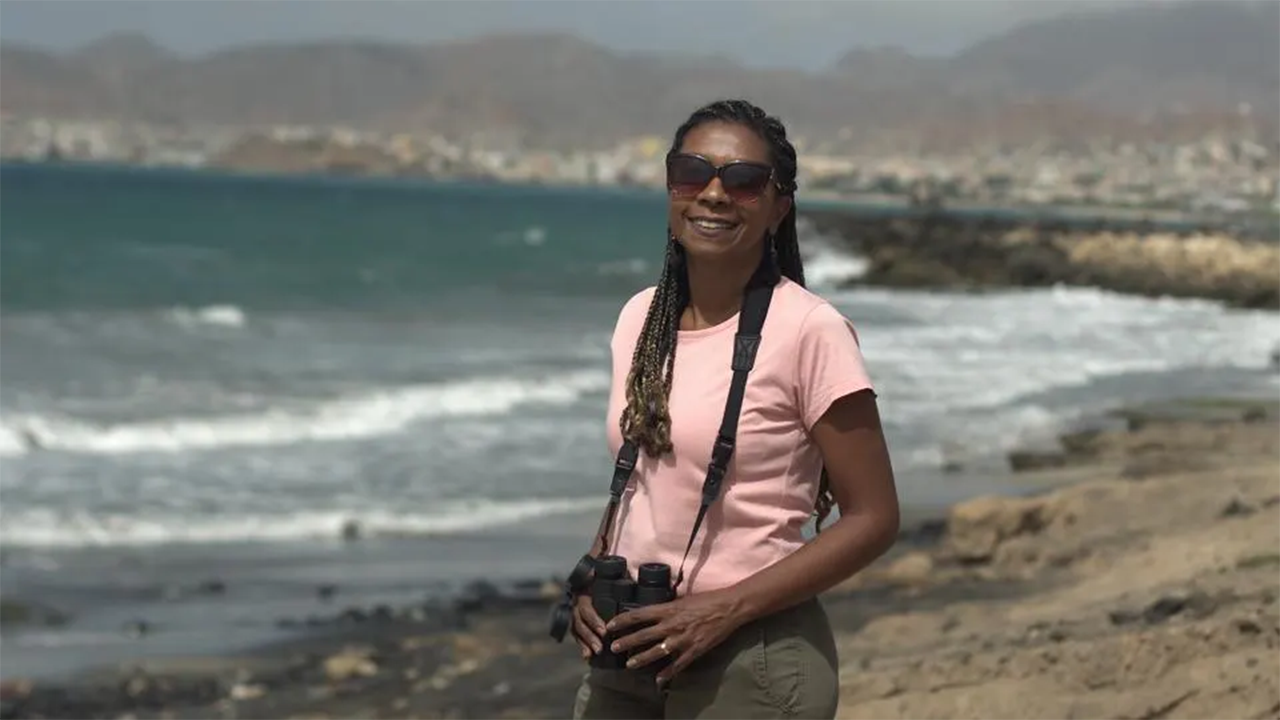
(631, 316)
(637, 306)
(639, 302)
(804, 309)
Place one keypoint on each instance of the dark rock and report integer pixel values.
(1163, 609)
(1143, 467)
(1237, 508)
(134, 695)
(1081, 442)
(213, 587)
(477, 595)
(1196, 604)
(350, 531)
(1197, 411)
(1022, 460)
(137, 628)
(353, 615)
(1035, 265)
(924, 533)
(1247, 627)
(1123, 617)
(19, 612)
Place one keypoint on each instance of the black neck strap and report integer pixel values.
(755, 307)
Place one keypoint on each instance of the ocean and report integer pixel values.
(210, 375)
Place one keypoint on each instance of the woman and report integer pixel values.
(745, 635)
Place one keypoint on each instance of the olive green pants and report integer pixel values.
(781, 666)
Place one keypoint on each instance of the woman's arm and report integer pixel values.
(853, 447)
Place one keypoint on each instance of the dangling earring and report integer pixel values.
(769, 269)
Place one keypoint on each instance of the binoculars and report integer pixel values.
(613, 592)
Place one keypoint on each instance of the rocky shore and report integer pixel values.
(941, 250)
(1144, 584)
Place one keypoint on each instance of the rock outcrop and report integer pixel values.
(945, 250)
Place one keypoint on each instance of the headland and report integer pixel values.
(1235, 261)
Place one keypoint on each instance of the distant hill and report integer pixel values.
(1142, 58)
(1162, 69)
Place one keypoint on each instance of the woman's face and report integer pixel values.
(726, 216)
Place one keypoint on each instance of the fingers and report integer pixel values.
(640, 638)
(587, 635)
(677, 665)
(640, 616)
(589, 615)
(655, 653)
(584, 629)
(584, 647)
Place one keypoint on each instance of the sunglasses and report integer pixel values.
(743, 181)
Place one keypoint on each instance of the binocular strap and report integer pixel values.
(755, 307)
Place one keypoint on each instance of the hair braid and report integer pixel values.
(646, 420)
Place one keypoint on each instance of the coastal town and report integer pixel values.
(1218, 173)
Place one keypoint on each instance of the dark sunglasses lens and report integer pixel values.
(745, 180)
(688, 174)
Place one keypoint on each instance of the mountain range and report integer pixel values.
(1160, 70)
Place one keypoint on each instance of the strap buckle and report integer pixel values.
(622, 470)
(744, 351)
(721, 454)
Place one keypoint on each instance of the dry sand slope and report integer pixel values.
(1156, 589)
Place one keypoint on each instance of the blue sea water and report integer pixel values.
(230, 368)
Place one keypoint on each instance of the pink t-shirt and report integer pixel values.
(808, 358)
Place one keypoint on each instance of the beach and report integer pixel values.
(1136, 578)
(324, 450)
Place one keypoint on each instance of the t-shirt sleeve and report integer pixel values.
(830, 362)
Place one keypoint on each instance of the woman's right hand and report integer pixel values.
(588, 628)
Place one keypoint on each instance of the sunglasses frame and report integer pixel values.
(718, 171)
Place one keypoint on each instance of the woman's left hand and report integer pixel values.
(685, 628)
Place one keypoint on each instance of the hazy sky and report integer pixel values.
(805, 33)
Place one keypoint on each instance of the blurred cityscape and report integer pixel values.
(1168, 106)
(1213, 173)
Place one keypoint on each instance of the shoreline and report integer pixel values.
(819, 203)
(953, 589)
(219, 605)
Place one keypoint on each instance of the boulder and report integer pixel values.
(351, 662)
(914, 568)
(977, 527)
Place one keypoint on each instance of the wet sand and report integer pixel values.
(1144, 583)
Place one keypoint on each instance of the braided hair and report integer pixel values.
(646, 419)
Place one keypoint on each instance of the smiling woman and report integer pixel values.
(742, 634)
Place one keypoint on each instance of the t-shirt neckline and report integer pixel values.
(730, 322)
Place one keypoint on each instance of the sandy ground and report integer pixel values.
(1158, 579)
(1144, 586)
